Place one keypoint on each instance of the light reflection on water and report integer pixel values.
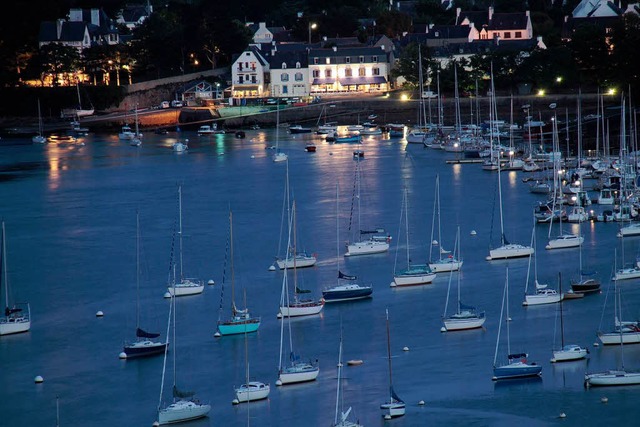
(73, 253)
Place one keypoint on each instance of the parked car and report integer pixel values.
(429, 94)
(176, 104)
(164, 104)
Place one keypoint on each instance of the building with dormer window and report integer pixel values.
(83, 28)
(250, 74)
(491, 25)
(289, 74)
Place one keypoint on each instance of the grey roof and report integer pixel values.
(449, 31)
(347, 51)
(508, 21)
(70, 32)
(290, 59)
(483, 47)
(478, 18)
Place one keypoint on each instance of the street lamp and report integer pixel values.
(312, 26)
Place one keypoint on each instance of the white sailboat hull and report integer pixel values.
(367, 247)
(629, 230)
(14, 325)
(413, 279)
(612, 378)
(445, 265)
(255, 391)
(183, 410)
(302, 309)
(186, 287)
(565, 241)
(568, 353)
(300, 262)
(627, 273)
(615, 338)
(512, 250)
(453, 324)
(539, 299)
(295, 374)
(393, 409)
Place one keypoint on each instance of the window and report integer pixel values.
(316, 73)
(327, 61)
(507, 35)
(285, 89)
(374, 59)
(518, 34)
(253, 79)
(246, 54)
(375, 71)
(299, 77)
(348, 72)
(297, 65)
(347, 60)
(241, 79)
(315, 61)
(284, 77)
(361, 59)
(361, 72)
(327, 73)
(284, 65)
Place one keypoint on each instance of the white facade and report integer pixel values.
(249, 75)
(262, 34)
(289, 82)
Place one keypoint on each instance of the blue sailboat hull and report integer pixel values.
(516, 370)
(233, 328)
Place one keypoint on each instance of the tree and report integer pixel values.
(60, 61)
(590, 52)
(625, 40)
(393, 23)
(407, 65)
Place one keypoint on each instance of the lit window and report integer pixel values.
(361, 72)
(327, 73)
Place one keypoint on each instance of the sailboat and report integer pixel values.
(416, 274)
(144, 345)
(394, 407)
(585, 283)
(567, 352)
(301, 259)
(299, 306)
(250, 390)
(343, 420)
(625, 273)
(279, 156)
(378, 242)
(15, 319)
(441, 264)
(39, 138)
(625, 332)
(347, 288)
(297, 370)
(82, 112)
(241, 321)
(420, 134)
(186, 286)
(615, 376)
(184, 406)
(517, 365)
(466, 316)
(543, 294)
(136, 141)
(506, 249)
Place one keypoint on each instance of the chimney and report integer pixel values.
(95, 17)
(458, 12)
(335, 48)
(59, 24)
(527, 13)
(262, 25)
(490, 13)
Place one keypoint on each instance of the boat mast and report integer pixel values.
(389, 357)
(180, 226)
(508, 318)
(436, 197)
(175, 348)
(338, 388)
(166, 349)
(504, 293)
(561, 316)
(137, 270)
(233, 275)
(3, 266)
(406, 220)
(457, 245)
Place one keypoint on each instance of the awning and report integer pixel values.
(323, 81)
(245, 87)
(349, 81)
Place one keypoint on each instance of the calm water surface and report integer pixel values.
(70, 215)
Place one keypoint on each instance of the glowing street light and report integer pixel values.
(312, 26)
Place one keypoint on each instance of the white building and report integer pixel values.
(250, 74)
(289, 74)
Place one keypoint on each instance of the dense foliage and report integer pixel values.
(184, 36)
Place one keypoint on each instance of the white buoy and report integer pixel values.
(443, 329)
(186, 140)
(253, 157)
(99, 313)
(604, 399)
(272, 268)
(473, 232)
(122, 355)
(167, 294)
(217, 334)
(405, 348)
(562, 415)
(434, 242)
(421, 403)
(509, 319)
(595, 344)
(235, 401)
(278, 382)
(279, 315)
(387, 417)
(38, 379)
(211, 282)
